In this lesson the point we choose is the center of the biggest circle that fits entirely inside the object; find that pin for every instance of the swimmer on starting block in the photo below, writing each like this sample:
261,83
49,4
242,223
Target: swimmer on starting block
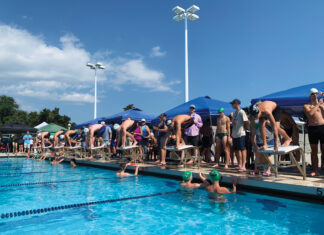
178,124
57,137
45,137
125,130
269,110
96,131
73,137
122,173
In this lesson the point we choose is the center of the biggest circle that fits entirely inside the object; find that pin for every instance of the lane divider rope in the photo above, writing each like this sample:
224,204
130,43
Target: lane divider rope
30,173
56,208
50,182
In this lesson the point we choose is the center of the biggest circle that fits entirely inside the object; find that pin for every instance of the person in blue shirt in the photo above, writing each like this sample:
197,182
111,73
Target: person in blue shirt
27,141
107,136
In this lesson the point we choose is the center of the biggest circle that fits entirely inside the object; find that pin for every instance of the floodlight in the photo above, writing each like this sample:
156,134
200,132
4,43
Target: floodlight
179,17
92,66
178,10
193,9
193,17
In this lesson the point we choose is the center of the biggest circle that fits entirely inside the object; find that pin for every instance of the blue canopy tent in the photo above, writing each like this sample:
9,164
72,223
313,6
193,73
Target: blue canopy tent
206,107
134,114
292,100
87,123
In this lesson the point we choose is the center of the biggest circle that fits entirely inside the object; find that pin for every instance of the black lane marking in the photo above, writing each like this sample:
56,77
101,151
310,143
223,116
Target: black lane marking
51,182
30,173
48,209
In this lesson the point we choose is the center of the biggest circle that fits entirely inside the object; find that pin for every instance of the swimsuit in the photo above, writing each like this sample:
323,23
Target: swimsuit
315,134
277,113
77,135
100,132
186,124
133,127
221,135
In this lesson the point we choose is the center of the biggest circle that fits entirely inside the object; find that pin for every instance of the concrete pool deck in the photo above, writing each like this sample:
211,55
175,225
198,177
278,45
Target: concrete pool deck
288,184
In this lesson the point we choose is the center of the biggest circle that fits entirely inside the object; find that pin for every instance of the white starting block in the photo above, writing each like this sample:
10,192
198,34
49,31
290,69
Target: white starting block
58,149
131,152
288,150
75,150
100,150
187,154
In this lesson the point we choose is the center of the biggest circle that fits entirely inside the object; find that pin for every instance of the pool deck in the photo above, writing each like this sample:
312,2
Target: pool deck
288,184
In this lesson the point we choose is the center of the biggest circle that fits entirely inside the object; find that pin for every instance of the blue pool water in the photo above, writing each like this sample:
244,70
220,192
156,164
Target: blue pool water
182,212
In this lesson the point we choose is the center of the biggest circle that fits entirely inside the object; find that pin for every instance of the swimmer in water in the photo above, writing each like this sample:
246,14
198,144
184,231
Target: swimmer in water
186,180
215,188
73,163
122,173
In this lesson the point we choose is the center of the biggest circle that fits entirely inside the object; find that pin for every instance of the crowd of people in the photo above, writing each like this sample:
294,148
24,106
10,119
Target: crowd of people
240,135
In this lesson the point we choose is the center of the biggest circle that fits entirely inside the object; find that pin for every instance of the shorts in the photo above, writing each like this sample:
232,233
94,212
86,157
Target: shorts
221,135
113,143
191,140
206,142
277,113
107,143
316,134
161,141
26,146
239,143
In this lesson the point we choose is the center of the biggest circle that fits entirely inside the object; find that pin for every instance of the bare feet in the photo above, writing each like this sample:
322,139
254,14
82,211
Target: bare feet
135,143
226,167
190,162
314,174
287,142
242,169
264,147
216,165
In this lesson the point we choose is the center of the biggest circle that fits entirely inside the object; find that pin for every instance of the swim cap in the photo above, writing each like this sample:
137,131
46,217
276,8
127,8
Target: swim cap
61,137
186,175
313,90
221,110
50,158
51,137
254,109
116,126
85,130
214,175
168,122
37,157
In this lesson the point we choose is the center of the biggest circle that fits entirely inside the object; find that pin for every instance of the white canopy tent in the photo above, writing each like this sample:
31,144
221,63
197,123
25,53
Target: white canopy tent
41,125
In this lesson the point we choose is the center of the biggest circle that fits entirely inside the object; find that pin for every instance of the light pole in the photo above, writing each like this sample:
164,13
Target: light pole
95,67
182,14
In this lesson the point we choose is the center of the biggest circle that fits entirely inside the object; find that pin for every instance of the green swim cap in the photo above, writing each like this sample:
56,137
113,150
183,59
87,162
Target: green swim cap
214,175
221,110
50,158
37,157
186,175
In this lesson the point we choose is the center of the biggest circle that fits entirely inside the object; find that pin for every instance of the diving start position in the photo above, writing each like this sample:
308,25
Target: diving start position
269,110
125,130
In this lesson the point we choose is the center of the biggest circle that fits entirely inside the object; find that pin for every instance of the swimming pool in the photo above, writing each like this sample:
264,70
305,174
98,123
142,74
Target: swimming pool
141,205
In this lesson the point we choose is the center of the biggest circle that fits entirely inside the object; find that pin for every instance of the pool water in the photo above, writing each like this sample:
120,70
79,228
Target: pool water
179,212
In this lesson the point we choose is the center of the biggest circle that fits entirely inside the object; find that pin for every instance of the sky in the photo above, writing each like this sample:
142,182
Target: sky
237,49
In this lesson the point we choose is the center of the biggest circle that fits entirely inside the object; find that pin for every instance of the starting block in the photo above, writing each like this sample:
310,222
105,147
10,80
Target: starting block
75,150
288,150
100,150
131,152
58,149
174,152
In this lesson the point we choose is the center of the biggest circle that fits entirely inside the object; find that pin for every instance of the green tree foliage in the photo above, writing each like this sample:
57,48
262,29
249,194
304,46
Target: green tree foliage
128,107
10,112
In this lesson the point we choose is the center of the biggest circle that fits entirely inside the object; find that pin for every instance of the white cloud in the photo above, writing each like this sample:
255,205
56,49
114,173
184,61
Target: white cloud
156,52
30,67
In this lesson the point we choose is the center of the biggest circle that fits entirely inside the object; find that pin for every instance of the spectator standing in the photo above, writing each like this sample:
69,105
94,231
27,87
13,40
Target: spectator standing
315,120
27,141
191,134
162,130
238,133
146,133
107,136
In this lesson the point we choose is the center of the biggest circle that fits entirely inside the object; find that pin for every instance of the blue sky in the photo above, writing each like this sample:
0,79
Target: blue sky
237,49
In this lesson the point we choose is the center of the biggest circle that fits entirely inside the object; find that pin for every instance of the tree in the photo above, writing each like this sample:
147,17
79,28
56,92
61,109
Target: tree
10,112
128,107
8,108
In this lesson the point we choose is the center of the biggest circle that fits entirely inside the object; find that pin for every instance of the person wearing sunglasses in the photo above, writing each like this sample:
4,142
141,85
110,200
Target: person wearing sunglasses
314,112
